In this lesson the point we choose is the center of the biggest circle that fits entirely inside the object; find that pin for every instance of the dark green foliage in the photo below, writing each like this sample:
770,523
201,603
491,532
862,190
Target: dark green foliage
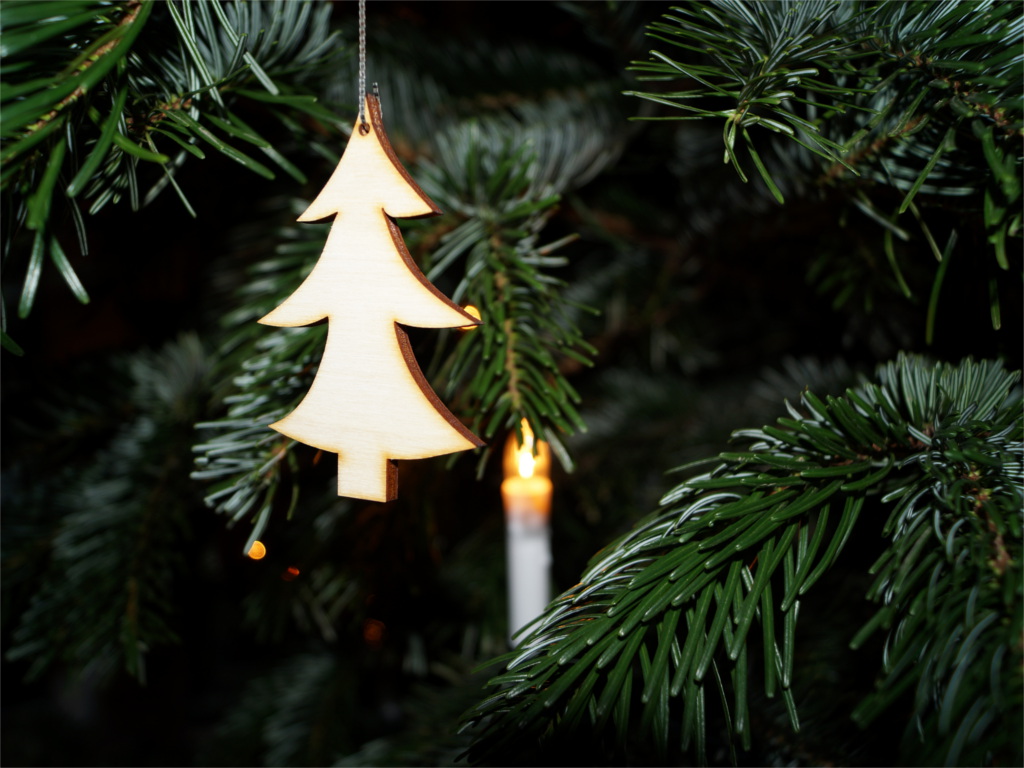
289,716
702,594
508,367
245,458
919,98
89,101
951,582
764,58
106,555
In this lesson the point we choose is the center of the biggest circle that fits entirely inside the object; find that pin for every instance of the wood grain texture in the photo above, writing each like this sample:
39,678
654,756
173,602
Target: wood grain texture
370,402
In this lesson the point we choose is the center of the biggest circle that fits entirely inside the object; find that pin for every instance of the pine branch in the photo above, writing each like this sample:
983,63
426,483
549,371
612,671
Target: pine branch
132,85
893,93
774,78
288,715
668,611
112,553
957,64
945,608
507,369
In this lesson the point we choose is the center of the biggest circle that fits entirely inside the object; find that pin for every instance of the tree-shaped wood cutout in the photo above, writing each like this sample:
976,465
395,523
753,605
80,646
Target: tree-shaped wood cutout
370,402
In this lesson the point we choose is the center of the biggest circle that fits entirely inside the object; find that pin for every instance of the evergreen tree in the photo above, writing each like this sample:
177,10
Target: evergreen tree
772,247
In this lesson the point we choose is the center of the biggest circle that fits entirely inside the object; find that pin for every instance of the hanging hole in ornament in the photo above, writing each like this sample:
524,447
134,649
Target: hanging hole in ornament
364,128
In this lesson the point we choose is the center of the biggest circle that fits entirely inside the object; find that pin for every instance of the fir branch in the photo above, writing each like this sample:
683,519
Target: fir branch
507,369
126,89
106,541
919,113
741,545
289,714
945,607
243,454
774,71
135,12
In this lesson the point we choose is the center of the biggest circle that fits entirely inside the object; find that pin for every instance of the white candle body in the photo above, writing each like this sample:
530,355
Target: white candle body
527,549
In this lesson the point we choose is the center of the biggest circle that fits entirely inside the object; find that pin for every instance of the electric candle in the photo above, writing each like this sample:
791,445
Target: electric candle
526,494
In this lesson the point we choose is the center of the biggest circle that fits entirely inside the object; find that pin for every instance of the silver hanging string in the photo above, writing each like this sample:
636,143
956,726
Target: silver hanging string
363,127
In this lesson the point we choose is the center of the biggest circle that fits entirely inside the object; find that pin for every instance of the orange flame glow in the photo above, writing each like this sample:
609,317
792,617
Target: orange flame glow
532,458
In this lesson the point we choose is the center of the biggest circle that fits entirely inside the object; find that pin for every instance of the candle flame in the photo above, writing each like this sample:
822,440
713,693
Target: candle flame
529,459
526,489
525,461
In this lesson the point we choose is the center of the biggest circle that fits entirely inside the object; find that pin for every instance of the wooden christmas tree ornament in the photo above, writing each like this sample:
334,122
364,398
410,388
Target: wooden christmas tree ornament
370,402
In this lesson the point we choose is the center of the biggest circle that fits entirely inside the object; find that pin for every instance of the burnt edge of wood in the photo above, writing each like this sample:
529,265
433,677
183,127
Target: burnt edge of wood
390,480
376,121
413,267
417,374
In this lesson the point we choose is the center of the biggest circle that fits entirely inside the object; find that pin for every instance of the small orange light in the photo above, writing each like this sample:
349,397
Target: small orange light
373,633
290,574
257,551
469,309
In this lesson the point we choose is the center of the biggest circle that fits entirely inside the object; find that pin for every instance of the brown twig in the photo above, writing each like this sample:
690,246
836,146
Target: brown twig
501,283
133,7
